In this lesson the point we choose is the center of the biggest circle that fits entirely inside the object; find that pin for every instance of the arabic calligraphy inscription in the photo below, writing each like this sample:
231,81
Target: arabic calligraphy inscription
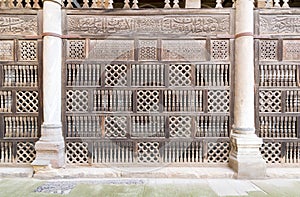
186,25
23,24
279,24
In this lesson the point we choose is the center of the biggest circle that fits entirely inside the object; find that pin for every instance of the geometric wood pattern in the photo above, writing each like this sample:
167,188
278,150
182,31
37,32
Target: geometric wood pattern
136,92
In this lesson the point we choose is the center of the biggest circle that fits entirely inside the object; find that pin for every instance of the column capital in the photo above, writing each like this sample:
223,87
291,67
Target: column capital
55,1
252,1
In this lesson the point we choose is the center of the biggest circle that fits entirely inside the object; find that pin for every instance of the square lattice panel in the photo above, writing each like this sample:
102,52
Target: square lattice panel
147,50
77,152
271,152
28,50
25,152
270,101
115,75
77,100
180,75
219,49
218,100
76,49
180,126
148,152
147,100
115,126
218,152
268,50
27,101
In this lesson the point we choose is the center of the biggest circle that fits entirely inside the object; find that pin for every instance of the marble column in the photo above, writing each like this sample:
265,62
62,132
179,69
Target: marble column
50,147
245,158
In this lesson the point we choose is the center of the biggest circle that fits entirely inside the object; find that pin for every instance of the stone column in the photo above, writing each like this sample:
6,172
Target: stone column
245,158
50,147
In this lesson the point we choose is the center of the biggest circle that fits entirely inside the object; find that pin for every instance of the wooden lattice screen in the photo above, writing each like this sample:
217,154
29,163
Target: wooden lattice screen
149,86
20,68
147,89
278,95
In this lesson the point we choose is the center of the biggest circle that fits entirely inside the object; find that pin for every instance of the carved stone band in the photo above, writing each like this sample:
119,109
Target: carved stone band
55,35
243,129
51,126
51,34
55,1
243,34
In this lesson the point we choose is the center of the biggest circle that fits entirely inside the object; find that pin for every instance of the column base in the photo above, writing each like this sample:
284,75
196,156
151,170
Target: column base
50,149
245,158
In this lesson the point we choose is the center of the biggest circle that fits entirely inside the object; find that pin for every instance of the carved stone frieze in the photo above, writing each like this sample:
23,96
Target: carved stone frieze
17,25
186,25
184,50
280,24
110,50
291,50
7,50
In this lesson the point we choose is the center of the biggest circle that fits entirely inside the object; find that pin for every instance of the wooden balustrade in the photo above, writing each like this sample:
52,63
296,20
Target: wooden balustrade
115,4
28,4
134,4
273,4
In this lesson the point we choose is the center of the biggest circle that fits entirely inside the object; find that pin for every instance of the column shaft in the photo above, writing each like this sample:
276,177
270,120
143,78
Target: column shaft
245,157
50,147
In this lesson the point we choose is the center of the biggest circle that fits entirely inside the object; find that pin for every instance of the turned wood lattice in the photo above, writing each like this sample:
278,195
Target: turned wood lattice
135,98
19,98
277,77
148,89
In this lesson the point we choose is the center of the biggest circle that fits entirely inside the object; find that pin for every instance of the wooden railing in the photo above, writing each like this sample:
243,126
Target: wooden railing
107,4
273,4
134,4
29,4
111,4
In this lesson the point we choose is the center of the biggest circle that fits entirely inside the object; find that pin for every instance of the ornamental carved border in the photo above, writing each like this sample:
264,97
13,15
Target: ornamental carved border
18,25
170,24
